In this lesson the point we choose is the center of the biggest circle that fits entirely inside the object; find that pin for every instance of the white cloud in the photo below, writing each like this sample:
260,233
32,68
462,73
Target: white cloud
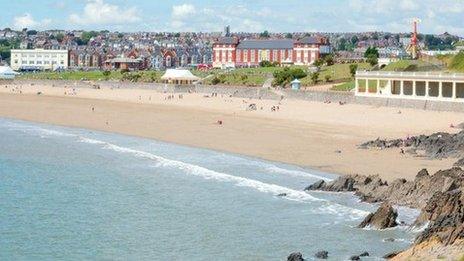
27,21
97,12
180,12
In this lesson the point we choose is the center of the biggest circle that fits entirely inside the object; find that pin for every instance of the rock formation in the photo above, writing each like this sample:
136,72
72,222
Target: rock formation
438,145
384,217
322,255
297,256
439,196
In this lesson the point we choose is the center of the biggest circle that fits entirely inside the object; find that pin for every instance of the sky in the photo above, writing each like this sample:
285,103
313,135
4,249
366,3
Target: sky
437,16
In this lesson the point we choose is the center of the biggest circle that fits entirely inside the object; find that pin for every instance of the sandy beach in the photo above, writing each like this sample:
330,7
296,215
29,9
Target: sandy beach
313,134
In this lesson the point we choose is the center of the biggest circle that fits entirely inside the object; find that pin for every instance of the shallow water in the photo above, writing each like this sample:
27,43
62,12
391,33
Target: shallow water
76,194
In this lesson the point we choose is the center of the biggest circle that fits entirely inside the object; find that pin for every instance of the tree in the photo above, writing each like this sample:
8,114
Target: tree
329,60
372,59
266,64
371,51
315,77
59,37
353,69
264,34
285,76
328,78
318,63
289,36
106,74
354,40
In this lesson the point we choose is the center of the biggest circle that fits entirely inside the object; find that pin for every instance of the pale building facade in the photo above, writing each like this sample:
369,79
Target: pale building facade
39,59
411,85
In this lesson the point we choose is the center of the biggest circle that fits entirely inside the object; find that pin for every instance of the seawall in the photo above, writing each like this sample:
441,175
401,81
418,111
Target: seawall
256,93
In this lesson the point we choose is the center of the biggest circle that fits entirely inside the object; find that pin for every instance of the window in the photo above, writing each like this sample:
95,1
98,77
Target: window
253,55
16,61
39,62
46,62
290,55
61,62
23,62
229,58
31,62
239,56
282,55
245,56
217,56
274,56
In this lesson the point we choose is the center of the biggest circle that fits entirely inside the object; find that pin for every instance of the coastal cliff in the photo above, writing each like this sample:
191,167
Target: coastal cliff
439,196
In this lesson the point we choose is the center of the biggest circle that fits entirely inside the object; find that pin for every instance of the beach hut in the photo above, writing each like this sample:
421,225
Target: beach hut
179,76
7,73
296,84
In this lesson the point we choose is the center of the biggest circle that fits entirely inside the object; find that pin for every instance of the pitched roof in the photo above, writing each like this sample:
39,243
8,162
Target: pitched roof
266,44
310,40
179,74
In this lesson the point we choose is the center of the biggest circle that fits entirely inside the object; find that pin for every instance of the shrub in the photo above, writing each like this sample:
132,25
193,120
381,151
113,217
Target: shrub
328,78
353,69
315,77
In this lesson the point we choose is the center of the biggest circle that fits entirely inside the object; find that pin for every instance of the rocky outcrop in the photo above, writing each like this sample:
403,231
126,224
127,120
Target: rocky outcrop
297,256
445,214
321,255
384,217
413,193
439,196
438,145
342,184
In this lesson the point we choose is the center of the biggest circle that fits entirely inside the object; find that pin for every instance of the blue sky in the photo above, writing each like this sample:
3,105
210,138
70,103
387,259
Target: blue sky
437,16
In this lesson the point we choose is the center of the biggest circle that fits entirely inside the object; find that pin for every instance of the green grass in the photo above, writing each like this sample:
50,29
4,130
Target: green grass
257,76
411,66
337,72
457,62
242,76
347,86
144,76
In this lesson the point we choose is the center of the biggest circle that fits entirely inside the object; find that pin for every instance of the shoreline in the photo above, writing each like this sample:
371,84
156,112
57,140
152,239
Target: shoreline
319,136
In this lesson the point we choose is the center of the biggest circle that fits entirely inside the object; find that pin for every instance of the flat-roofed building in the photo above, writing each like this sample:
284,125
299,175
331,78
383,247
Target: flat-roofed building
39,59
433,86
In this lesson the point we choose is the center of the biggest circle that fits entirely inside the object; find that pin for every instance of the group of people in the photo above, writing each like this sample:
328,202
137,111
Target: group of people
172,97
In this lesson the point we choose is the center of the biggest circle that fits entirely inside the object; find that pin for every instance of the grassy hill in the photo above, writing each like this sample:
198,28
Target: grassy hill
412,66
457,62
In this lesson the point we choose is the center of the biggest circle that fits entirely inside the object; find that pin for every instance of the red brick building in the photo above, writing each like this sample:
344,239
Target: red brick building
230,52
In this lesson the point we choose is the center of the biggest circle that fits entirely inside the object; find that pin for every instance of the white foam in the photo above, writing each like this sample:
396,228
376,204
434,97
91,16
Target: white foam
195,170
211,174
42,132
295,173
91,141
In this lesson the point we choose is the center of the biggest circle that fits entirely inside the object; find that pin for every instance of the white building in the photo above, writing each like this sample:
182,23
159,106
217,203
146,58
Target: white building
411,85
39,59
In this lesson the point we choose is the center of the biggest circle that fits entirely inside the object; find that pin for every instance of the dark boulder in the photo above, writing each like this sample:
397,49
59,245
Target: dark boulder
384,217
318,185
297,256
355,258
322,254
364,254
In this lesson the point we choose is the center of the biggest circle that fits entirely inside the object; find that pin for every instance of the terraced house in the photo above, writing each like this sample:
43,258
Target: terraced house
229,52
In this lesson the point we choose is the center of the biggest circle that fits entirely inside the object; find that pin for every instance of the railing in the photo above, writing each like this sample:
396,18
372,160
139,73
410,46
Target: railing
439,75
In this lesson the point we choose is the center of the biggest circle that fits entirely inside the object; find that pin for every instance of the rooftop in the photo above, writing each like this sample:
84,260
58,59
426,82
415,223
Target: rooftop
266,44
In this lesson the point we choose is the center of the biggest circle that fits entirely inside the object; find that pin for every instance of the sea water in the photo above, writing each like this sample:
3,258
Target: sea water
76,194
